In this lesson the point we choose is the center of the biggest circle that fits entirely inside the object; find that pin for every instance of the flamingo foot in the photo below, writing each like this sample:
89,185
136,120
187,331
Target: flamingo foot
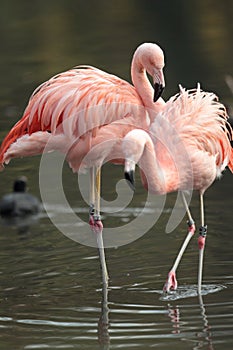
171,282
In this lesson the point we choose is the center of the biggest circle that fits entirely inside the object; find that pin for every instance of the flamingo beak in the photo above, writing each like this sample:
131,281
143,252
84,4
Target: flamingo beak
129,176
159,83
158,89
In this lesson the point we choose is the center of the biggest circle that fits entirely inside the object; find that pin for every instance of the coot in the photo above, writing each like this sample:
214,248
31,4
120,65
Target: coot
19,203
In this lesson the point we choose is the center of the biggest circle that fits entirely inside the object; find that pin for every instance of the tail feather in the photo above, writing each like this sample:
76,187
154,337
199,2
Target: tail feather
34,144
17,131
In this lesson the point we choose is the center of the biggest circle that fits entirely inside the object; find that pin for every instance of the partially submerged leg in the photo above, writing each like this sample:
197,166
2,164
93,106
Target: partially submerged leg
103,324
98,229
201,244
171,282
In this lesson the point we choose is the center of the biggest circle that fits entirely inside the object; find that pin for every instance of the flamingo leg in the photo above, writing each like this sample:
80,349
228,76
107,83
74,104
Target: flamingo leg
97,191
201,244
103,324
98,229
92,197
171,282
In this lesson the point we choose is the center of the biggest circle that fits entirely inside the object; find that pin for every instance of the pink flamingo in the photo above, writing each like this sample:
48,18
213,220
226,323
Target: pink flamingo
187,147
67,112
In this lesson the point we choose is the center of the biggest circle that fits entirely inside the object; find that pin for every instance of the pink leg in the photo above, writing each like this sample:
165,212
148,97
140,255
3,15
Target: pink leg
96,223
91,215
96,226
201,246
98,230
202,237
171,282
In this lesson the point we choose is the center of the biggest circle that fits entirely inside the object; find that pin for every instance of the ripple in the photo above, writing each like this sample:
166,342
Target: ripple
56,323
191,291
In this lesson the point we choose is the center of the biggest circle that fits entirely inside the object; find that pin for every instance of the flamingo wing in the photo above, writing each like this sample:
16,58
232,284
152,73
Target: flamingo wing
69,106
198,121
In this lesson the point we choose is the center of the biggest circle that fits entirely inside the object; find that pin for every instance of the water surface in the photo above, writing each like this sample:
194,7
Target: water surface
50,286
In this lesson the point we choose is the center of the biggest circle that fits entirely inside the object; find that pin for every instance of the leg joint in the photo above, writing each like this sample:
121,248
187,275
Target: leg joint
97,217
190,222
92,209
203,231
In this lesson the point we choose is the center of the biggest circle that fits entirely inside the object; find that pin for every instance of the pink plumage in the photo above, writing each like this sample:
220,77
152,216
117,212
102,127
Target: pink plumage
186,148
74,104
67,112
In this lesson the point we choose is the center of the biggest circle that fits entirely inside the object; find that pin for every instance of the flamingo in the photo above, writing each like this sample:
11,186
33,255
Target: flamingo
70,109
187,147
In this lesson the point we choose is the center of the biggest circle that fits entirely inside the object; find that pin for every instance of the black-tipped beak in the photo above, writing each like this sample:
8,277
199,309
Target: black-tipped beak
158,89
129,176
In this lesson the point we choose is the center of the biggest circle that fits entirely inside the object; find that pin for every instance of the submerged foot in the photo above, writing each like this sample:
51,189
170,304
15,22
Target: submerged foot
171,282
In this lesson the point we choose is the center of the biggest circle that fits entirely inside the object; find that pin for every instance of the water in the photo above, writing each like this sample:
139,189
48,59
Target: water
50,286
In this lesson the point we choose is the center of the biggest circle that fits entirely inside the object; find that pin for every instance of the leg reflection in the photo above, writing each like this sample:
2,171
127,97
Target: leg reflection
174,314
201,339
103,324
206,333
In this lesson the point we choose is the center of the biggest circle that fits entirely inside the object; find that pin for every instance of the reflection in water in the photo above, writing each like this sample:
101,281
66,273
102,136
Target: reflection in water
139,325
201,338
189,291
22,224
206,328
174,314
103,324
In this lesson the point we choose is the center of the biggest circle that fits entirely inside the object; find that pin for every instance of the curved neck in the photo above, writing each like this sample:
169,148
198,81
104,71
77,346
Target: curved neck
158,176
143,85
141,82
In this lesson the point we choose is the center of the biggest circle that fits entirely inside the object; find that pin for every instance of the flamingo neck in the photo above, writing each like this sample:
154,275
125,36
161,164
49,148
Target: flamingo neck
151,174
141,82
143,86
158,177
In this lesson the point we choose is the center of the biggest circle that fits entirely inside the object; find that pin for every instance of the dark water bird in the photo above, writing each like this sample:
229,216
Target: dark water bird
19,203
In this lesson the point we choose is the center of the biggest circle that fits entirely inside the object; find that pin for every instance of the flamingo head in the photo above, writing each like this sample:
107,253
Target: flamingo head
153,61
129,174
